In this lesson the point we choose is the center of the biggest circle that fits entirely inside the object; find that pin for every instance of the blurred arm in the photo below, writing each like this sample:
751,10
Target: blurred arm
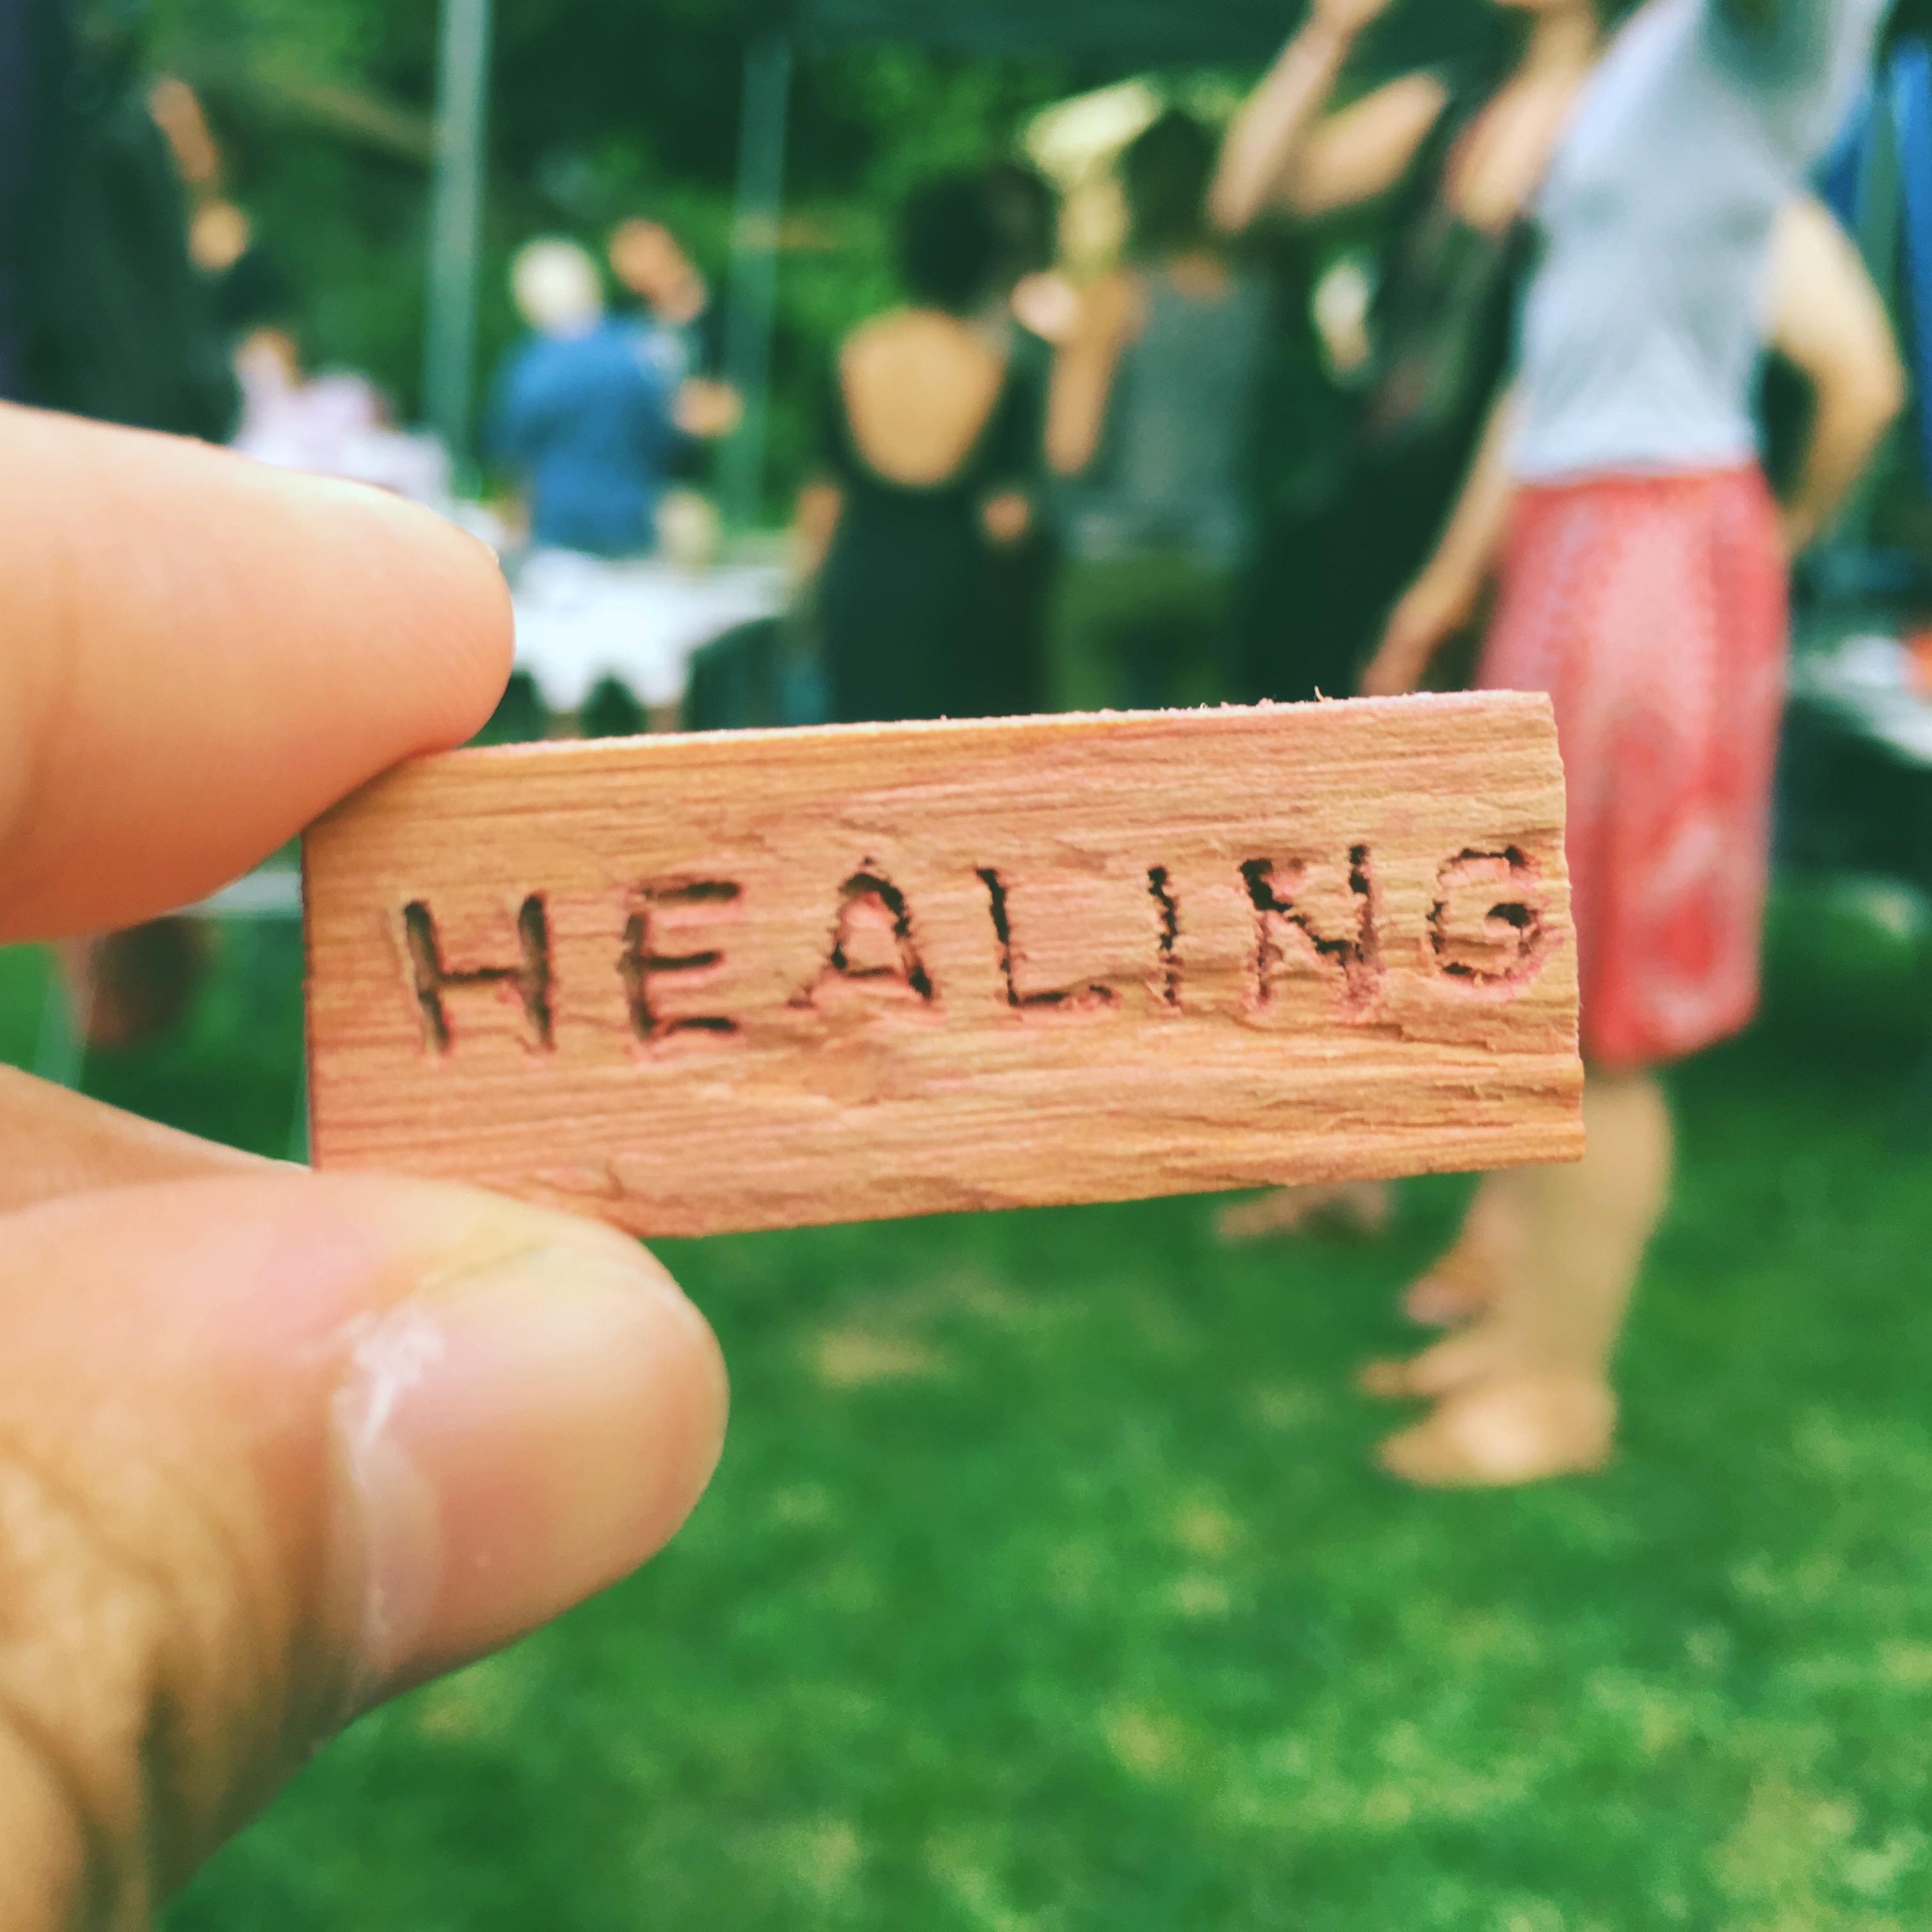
1829,321
815,524
706,408
1282,150
1443,598
1083,375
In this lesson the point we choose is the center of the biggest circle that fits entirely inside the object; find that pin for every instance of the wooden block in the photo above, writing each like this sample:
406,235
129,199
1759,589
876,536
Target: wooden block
757,979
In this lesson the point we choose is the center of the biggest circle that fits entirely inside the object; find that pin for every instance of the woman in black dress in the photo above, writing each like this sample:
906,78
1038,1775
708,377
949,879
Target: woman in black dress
1457,155
931,449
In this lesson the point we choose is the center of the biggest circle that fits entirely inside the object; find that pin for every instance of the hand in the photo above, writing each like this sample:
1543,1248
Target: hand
1435,608
1049,304
1007,516
273,1444
1797,530
813,525
707,409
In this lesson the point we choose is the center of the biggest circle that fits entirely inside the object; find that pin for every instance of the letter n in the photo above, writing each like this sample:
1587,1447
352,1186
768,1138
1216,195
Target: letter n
1308,909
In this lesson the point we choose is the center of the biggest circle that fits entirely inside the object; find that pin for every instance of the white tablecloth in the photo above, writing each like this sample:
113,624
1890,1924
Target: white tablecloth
580,619
1865,684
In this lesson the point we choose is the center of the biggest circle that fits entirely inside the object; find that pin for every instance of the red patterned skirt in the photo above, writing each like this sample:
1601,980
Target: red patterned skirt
1653,611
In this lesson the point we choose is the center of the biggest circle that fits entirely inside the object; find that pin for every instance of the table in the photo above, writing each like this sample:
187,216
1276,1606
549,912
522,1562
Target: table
1863,687
581,619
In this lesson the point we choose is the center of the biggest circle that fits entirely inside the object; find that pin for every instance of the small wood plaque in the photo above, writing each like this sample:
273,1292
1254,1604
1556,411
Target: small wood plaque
757,979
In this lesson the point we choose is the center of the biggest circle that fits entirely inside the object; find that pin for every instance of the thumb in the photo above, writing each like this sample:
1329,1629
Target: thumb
273,1446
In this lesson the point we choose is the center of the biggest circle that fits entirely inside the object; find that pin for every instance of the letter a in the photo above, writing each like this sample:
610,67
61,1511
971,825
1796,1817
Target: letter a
871,942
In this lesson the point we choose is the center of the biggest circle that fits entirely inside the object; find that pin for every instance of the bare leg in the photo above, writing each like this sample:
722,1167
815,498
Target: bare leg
1464,1283
1525,1392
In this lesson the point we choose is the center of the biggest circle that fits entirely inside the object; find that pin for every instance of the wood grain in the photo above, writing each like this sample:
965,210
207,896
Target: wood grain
762,978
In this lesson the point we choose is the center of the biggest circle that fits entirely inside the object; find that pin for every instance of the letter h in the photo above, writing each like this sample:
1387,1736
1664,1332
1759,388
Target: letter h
529,978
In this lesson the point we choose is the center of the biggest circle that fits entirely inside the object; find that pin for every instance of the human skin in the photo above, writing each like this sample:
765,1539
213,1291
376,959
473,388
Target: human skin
273,1444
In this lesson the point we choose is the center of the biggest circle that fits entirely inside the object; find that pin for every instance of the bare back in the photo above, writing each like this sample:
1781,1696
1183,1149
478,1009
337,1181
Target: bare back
918,387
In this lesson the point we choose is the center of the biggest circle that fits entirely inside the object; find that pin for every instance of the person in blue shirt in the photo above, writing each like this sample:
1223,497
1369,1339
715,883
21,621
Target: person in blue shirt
582,411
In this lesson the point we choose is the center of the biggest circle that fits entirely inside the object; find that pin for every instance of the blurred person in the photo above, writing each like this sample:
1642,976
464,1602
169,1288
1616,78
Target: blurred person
273,1445
679,334
1826,323
178,112
1028,289
1029,307
1459,153
1643,585
106,313
648,260
930,455
336,424
581,411
1149,423
1828,326
584,410
219,234
246,284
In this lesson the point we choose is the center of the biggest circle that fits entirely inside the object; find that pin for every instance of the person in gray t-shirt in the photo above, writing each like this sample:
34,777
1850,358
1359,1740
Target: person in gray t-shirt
1150,412
1642,586
1641,334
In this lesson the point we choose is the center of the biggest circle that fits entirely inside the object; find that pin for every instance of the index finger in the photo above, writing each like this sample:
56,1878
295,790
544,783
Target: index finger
200,654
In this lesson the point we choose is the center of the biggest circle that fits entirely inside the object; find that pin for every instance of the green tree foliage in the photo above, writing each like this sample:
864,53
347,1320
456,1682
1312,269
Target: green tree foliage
599,109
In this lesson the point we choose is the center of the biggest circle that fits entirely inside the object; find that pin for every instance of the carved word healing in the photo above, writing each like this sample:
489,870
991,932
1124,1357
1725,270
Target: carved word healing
1485,931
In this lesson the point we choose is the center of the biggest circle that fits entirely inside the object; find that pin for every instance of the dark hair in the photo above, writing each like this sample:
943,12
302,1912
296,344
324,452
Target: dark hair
1023,211
1911,19
1165,172
947,244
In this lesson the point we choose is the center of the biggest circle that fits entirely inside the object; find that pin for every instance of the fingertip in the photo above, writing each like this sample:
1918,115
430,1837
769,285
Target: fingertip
449,614
205,652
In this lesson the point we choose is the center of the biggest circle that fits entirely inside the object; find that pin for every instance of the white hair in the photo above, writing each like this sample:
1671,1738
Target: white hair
556,286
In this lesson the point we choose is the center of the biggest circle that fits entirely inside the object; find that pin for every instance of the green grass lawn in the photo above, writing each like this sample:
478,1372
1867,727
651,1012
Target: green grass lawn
1045,1583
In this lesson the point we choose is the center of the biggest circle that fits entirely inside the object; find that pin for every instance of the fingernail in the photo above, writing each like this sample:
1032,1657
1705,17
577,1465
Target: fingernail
514,1438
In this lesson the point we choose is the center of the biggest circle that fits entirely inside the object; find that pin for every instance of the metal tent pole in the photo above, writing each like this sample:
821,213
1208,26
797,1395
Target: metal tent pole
456,222
747,337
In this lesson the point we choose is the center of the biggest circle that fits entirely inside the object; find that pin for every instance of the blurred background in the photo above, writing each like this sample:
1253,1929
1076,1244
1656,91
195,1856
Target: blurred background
325,114
1046,1584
